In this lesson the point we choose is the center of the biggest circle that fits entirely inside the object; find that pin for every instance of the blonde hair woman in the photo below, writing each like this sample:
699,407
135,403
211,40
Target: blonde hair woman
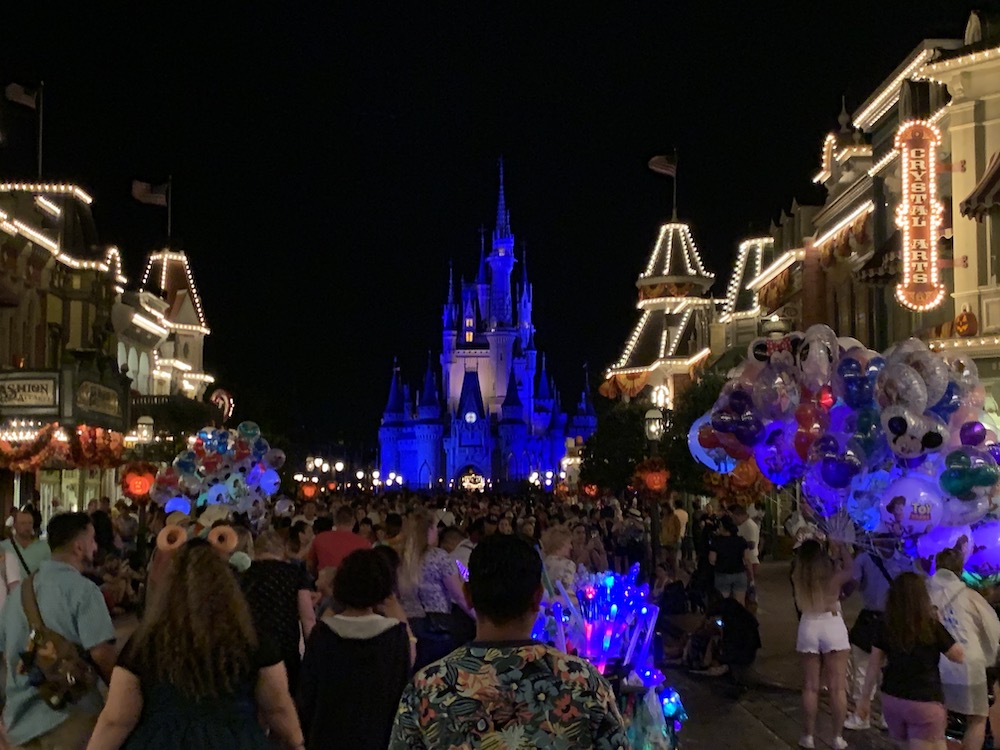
557,547
429,584
817,578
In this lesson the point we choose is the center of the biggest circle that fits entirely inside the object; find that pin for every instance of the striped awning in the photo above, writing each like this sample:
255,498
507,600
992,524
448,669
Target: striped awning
985,195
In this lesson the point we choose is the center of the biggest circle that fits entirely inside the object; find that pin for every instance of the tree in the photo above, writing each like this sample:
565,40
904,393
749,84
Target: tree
611,453
686,473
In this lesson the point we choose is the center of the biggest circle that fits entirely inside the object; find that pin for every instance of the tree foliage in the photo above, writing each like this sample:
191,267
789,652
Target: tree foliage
612,453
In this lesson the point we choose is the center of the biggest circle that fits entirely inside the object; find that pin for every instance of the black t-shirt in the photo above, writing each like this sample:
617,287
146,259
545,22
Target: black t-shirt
728,553
272,590
265,656
913,675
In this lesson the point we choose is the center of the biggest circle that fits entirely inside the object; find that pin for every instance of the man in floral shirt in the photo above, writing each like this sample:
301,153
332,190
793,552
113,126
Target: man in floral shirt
505,691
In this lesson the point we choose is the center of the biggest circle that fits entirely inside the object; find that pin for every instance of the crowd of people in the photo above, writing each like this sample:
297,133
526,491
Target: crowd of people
343,620
924,642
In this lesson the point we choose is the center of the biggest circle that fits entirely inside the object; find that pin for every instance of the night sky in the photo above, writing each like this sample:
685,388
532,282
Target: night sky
330,158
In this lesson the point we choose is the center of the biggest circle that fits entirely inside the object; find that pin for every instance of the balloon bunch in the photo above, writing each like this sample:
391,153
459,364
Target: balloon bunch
896,442
237,469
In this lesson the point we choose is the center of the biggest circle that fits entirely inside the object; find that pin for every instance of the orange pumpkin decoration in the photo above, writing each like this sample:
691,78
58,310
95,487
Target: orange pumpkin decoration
966,324
656,480
308,491
138,479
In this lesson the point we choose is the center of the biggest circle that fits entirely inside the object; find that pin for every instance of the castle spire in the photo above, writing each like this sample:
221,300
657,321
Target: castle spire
451,282
481,276
502,230
396,405
428,396
524,268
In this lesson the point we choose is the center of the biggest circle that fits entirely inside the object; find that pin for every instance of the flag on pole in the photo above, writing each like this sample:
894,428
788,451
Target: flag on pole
666,165
145,192
17,93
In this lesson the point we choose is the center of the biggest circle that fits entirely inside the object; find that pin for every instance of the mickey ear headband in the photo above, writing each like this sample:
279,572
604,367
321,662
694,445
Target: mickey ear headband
222,538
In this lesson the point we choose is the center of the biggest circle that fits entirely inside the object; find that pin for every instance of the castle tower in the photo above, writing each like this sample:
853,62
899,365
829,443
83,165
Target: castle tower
501,260
513,432
390,432
429,431
524,325
449,335
482,282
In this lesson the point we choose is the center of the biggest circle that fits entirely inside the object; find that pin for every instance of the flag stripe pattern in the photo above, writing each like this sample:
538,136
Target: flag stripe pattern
666,165
144,192
17,93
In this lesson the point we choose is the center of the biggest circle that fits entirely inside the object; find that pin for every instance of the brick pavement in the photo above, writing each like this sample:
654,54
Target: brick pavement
767,714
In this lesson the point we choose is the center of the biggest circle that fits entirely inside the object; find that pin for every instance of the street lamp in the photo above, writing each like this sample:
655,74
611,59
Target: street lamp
654,432
339,466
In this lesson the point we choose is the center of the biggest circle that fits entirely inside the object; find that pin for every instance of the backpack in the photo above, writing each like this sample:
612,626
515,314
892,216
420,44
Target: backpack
54,665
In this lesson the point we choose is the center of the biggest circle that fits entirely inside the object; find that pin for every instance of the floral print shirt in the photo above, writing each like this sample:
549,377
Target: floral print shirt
508,696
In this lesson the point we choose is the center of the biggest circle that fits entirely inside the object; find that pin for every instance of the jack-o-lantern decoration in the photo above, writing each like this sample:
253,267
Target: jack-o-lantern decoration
138,479
966,324
652,474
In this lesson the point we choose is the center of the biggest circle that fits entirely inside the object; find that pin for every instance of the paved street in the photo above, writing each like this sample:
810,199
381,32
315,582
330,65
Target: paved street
768,715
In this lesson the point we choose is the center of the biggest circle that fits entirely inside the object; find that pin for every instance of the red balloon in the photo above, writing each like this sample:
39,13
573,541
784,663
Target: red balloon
735,448
707,438
803,441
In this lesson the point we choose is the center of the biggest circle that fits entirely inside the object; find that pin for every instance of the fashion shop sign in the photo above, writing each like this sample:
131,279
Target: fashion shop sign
19,391
919,216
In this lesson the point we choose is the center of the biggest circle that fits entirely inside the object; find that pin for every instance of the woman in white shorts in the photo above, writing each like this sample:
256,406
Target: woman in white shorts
817,578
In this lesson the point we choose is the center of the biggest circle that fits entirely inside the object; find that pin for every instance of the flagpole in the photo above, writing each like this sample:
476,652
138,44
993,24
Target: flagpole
170,208
41,109
675,186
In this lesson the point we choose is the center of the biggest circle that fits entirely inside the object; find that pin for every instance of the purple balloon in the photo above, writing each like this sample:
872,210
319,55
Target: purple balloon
740,401
994,450
972,433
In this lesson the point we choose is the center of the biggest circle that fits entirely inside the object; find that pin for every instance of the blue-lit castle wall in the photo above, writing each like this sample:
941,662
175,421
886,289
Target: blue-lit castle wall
489,408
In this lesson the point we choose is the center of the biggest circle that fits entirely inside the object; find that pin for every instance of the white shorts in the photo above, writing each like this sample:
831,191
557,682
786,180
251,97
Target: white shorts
822,633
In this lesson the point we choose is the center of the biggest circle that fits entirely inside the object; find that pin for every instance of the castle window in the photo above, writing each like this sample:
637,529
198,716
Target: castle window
468,337
469,322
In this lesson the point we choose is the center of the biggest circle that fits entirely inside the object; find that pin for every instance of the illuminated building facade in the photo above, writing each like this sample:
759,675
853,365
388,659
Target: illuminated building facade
671,334
495,416
82,357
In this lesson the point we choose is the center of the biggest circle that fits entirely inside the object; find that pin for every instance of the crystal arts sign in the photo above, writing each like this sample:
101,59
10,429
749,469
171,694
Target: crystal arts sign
919,216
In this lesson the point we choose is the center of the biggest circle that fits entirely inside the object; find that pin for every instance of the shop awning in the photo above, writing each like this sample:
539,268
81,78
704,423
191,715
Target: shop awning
984,195
881,267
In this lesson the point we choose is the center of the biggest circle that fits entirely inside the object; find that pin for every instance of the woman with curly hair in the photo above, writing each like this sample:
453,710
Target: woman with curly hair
194,675
357,662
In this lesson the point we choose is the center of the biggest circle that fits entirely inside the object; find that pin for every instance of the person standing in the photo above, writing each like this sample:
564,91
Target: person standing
750,531
974,625
909,642
670,538
817,579
195,676
29,550
279,595
356,663
508,686
429,583
873,574
330,547
72,606
729,559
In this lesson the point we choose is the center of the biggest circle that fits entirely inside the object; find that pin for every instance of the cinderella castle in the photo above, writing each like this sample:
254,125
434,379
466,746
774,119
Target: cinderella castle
496,418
